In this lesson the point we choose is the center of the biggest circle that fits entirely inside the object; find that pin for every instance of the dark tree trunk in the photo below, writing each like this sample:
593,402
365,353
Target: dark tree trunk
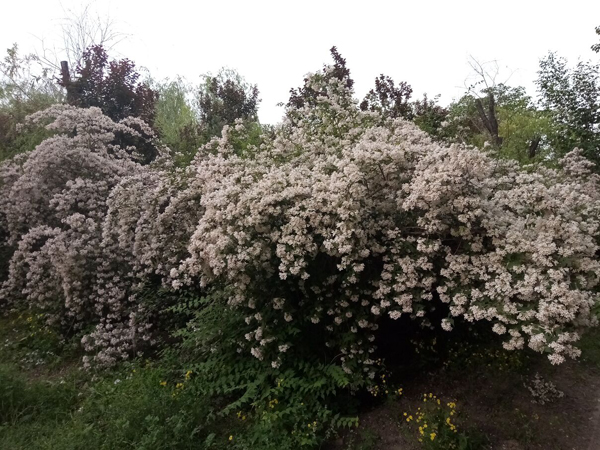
489,120
66,81
533,146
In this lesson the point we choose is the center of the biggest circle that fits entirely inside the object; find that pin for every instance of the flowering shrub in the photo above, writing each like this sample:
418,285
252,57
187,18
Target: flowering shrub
54,203
320,230
344,218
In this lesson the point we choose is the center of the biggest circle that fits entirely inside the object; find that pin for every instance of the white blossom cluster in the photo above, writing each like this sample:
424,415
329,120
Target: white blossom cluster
337,220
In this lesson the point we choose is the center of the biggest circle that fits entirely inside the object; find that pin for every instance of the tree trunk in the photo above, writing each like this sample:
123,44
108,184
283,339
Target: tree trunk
489,120
533,146
66,81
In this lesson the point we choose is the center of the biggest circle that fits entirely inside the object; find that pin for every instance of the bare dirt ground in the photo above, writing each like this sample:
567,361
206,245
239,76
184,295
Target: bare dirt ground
494,404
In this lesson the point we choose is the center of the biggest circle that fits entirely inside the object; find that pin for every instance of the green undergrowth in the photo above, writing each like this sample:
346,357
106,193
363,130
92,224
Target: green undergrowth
201,392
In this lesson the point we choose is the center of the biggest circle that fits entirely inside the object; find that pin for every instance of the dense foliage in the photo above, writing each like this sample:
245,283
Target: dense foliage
113,86
222,99
572,97
505,119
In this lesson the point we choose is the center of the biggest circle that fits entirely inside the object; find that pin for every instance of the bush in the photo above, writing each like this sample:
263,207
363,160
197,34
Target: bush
53,205
345,217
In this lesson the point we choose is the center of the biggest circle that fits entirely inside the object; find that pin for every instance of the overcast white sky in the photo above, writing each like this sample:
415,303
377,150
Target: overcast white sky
274,43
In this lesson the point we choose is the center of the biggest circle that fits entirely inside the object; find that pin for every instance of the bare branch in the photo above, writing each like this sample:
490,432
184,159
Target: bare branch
79,30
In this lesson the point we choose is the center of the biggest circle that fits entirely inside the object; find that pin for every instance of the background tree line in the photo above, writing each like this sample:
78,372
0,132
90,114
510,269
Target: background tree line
492,114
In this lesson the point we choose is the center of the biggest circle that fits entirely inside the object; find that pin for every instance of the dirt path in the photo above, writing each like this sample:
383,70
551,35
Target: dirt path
595,425
496,404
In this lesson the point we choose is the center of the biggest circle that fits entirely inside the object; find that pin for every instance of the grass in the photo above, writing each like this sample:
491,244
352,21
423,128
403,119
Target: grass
120,410
47,402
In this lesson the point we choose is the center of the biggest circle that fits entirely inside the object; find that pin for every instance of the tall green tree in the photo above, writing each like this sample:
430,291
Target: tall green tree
504,118
177,120
188,117
571,97
429,115
222,99
500,117
523,126
26,86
